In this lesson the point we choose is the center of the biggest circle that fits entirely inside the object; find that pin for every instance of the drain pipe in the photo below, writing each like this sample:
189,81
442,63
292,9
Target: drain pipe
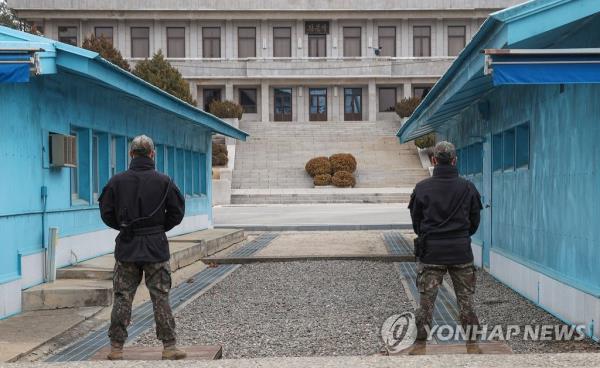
44,193
51,255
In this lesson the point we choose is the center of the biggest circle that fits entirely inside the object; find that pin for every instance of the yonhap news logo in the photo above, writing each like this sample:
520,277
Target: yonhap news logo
399,332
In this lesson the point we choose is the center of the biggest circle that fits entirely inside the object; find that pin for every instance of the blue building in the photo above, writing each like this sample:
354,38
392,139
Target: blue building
66,117
522,105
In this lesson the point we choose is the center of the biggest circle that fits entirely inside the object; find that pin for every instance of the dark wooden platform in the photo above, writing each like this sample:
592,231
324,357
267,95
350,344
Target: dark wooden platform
341,257
195,352
495,347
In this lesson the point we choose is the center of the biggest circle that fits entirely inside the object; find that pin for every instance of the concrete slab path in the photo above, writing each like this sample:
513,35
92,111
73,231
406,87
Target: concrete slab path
323,243
328,216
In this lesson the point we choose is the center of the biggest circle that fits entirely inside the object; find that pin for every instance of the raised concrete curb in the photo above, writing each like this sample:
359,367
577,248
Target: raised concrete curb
439,361
340,257
88,283
324,227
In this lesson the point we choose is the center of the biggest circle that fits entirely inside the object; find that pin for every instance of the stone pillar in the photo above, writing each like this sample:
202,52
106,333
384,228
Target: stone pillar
229,53
337,93
229,90
407,90
264,101
372,92
440,49
263,40
335,39
300,40
194,91
193,44
121,39
371,42
157,41
301,106
405,35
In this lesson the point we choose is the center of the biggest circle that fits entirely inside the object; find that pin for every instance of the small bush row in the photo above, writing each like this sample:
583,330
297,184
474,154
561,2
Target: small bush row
336,169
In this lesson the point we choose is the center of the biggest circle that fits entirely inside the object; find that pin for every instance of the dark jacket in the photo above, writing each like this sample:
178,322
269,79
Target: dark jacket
432,202
136,193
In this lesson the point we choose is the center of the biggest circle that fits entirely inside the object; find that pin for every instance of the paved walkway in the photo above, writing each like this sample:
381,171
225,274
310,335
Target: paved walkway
439,361
328,216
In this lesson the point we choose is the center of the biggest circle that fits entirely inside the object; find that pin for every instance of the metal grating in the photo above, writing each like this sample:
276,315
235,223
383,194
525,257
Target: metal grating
445,311
142,316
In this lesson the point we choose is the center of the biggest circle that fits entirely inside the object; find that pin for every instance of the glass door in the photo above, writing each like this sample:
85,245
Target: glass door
318,104
352,104
282,104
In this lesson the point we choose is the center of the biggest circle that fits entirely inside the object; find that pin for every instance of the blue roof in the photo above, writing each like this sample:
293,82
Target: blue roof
534,24
91,65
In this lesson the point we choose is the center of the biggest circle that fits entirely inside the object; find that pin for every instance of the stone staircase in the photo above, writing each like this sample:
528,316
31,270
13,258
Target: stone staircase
269,166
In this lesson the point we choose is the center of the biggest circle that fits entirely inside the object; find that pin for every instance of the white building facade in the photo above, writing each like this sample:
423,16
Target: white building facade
303,60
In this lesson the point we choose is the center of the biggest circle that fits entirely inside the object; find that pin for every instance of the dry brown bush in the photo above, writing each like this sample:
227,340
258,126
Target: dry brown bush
318,166
343,162
343,179
322,179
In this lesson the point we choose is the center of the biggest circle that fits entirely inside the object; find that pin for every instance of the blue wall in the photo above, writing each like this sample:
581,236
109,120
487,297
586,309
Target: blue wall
545,215
58,103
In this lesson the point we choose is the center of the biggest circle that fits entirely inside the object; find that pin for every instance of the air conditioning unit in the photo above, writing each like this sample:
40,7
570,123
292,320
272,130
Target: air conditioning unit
63,150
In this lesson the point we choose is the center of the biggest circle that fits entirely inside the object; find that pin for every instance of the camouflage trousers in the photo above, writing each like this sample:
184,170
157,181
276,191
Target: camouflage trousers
429,279
127,276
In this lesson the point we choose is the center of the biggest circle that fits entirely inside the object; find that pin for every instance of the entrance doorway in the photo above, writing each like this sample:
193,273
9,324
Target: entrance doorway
282,104
318,104
352,104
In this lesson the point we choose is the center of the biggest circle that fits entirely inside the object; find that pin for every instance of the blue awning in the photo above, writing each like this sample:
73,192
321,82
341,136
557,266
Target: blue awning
547,68
14,68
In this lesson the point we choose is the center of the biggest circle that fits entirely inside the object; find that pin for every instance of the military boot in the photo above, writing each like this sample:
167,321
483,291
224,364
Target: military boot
116,351
170,351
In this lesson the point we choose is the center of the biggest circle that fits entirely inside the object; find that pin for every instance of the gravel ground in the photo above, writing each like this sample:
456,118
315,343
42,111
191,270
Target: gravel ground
497,304
294,309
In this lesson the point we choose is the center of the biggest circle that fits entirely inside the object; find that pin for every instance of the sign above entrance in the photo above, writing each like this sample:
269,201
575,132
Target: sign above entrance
316,28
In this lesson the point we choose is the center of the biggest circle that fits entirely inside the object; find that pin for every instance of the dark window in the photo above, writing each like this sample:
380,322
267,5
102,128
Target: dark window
176,42
456,39
317,45
421,41
95,166
352,39
248,100
509,149
210,95
140,42
387,99
497,152
246,42
211,42
104,32
67,35
421,92
387,41
317,108
283,104
352,104
522,146
282,42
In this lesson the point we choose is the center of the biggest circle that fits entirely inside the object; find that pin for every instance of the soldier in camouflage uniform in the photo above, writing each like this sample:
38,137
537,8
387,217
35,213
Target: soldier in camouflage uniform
142,204
445,213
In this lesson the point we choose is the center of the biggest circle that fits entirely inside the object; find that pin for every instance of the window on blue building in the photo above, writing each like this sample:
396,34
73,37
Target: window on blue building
459,161
509,149
113,155
95,167
180,171
522,146
497,152
160,158
478,152
75,174
196,172
189,187
170,162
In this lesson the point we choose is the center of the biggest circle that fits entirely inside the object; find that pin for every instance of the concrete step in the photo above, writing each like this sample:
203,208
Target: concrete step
89,283
321,195
306,199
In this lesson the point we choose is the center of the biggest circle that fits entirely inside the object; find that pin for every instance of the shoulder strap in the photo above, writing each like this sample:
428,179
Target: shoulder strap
162,202
454,211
